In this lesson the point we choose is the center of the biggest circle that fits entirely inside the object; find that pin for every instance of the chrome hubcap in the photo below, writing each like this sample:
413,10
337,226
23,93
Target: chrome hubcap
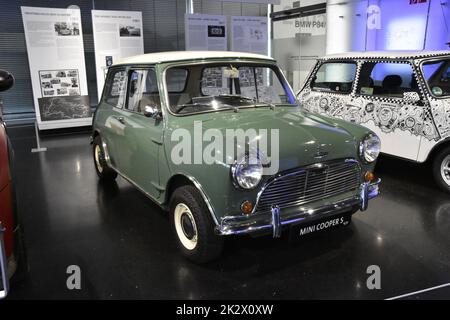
445,169
97,156
185,226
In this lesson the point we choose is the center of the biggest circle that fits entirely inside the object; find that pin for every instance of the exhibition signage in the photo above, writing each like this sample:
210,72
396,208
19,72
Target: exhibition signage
315,25
58,72
205,32
117,35
249,34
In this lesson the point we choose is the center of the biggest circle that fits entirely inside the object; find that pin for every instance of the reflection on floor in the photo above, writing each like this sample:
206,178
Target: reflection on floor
125,248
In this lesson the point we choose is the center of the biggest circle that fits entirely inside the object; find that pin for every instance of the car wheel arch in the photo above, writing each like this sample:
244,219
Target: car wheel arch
437,148
95,134
181,179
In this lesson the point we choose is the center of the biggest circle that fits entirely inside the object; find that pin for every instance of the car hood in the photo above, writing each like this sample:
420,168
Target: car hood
303,138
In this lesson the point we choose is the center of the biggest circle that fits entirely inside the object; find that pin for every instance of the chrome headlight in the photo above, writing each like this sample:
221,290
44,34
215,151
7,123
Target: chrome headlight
369,148
247,173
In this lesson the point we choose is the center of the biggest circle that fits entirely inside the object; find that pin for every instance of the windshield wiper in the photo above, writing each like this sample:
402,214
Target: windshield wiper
236,96
182,106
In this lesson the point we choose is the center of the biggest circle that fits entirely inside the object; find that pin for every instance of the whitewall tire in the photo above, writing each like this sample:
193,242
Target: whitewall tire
185,226
193,226
104,172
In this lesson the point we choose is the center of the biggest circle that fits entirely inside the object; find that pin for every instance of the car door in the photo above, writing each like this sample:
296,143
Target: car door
329,89
142,142
110,116
393,106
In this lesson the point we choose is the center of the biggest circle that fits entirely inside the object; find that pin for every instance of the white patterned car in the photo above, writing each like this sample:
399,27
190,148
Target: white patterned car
404,97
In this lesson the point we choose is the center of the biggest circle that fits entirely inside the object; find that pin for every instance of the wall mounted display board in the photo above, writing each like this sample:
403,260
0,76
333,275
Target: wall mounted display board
249,34
117,35
206,32
58,73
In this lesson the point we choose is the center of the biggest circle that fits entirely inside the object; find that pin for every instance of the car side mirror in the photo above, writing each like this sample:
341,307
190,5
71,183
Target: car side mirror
152,112
6,80
411,97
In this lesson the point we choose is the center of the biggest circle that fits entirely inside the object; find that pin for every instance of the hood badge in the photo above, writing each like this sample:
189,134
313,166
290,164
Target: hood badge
320,153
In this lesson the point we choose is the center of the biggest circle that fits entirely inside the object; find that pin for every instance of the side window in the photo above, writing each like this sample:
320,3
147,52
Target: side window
437,75
115,88
336,77
142,90
387,79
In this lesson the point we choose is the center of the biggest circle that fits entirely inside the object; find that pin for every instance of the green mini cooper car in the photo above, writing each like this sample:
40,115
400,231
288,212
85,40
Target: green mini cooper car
219,140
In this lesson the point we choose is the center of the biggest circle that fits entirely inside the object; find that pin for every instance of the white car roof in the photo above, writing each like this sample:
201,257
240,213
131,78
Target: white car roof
387,55
171,56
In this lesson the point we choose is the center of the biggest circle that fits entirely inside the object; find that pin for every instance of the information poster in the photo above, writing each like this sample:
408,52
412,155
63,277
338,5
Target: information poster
58,73
249,34
205,32
117,35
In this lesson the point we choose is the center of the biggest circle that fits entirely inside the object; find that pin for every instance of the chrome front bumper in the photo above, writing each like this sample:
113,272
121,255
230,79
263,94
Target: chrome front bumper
275,220
3,267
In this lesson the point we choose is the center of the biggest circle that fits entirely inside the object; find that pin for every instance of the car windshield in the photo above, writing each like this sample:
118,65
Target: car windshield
437,74
213,87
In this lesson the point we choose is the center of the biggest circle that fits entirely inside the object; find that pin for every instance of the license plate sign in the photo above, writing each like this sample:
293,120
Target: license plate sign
321,225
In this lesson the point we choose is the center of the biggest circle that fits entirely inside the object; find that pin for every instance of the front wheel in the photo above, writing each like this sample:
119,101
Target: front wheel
441,169
193,226
104,172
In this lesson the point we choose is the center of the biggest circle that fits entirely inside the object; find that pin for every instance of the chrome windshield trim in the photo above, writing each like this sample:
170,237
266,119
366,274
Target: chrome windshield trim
3,266
261,62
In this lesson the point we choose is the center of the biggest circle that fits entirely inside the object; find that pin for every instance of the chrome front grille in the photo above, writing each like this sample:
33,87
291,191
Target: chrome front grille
310,184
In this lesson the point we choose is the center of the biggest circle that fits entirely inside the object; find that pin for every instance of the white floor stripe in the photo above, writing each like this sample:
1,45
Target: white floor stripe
420,291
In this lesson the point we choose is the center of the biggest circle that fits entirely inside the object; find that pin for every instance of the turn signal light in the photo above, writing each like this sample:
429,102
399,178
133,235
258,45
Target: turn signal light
369,176
247,207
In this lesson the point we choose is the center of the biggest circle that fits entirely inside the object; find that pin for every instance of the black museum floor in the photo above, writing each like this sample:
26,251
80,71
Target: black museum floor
126,250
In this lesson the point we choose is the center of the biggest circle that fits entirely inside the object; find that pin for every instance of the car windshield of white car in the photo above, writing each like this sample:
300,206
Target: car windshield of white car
437,75
213,87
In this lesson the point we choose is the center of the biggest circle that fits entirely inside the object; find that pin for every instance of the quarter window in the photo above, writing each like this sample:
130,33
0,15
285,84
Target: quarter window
143,90
335,77
115,88
387,79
